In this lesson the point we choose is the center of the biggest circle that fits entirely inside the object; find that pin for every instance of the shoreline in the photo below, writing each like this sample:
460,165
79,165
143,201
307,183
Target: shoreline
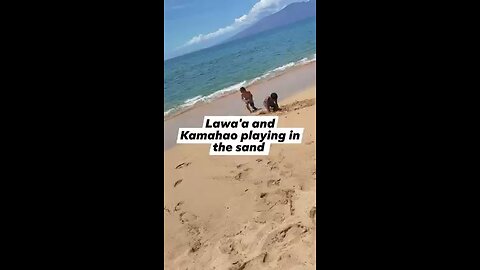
286,85
269,75
254,211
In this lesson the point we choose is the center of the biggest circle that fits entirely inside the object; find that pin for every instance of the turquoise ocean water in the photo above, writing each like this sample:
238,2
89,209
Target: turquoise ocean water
208,74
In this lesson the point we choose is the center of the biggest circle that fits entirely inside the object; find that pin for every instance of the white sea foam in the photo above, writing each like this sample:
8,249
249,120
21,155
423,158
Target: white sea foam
280,70
224,91
189,103
168,112
284,67
192,101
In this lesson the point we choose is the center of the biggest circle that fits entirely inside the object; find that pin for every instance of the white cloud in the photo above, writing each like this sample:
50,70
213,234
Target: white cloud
261,9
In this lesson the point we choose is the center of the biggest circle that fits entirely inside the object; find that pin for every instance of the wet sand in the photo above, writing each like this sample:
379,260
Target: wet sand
290,83
245,212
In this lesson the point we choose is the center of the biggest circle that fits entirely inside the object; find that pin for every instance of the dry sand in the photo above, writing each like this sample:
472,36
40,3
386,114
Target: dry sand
287,84
244,212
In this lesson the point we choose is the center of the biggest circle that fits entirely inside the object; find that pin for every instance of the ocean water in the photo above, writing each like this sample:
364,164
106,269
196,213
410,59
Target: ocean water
208,74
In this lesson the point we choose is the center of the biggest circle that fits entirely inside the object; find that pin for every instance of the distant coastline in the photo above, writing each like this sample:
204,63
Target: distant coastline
206,75
231,40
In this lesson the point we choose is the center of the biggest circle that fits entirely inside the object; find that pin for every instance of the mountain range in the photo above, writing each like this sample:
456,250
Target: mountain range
292,13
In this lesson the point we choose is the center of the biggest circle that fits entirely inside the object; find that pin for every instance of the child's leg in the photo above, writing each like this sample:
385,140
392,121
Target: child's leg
248,108
253,106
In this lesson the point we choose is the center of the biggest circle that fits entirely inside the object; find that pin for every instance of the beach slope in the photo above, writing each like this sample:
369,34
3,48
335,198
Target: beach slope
244,212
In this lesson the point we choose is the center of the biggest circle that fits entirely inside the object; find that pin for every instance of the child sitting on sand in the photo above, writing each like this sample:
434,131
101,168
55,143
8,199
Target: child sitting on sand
271,104
247,97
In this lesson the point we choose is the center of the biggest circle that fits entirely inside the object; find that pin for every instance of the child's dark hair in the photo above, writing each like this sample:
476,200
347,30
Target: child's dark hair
274,96
242,89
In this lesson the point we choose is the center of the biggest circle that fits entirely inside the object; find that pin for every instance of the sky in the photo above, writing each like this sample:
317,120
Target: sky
191,25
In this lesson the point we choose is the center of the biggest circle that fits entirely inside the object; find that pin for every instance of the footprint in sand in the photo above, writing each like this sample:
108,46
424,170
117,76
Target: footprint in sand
178,206
241,175
272,165
277,198
240,165
273,182
238,176
227,246
177,182
289,233
250,264
186,217
195,242
195,246
183,164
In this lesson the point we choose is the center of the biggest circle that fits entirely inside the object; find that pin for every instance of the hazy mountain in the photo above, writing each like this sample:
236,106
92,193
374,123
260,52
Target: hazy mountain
290,14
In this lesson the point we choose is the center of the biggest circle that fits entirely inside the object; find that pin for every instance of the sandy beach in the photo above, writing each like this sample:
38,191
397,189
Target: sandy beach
287,84
244,212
